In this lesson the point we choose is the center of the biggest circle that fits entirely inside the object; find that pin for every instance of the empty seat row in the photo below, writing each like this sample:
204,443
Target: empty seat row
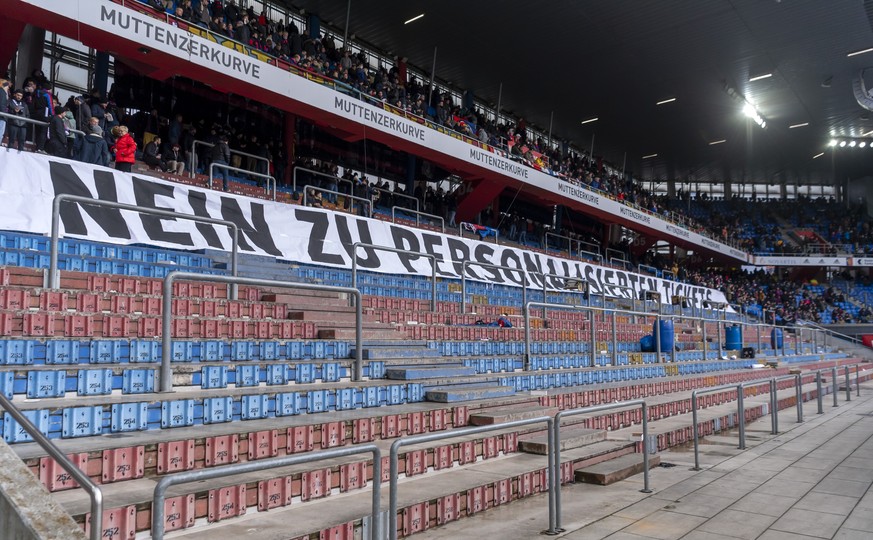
71,351
86,421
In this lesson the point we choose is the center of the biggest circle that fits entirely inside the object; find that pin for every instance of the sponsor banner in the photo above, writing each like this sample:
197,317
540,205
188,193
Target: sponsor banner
805,260
861,261
148,32
29,183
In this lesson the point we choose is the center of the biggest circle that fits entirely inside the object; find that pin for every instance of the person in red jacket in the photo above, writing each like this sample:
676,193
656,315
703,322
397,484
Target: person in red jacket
125,149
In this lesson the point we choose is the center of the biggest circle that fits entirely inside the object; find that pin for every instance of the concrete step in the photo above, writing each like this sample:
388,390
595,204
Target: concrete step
429,372
386,353
329,316
615,470
511,414
349,333
571,437
448,394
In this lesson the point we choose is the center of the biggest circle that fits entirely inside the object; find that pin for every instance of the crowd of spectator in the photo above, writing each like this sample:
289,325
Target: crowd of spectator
775,295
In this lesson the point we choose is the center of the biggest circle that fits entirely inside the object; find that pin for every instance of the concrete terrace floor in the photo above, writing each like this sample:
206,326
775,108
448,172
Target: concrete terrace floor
813,480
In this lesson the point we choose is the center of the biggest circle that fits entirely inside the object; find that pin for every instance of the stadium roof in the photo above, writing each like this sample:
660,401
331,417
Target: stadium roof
615,60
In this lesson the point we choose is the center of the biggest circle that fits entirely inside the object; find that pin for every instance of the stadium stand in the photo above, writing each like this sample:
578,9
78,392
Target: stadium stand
210,394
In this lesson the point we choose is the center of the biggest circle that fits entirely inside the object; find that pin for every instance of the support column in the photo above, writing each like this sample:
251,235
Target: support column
410,174
31,47
289,142
478,198
314,26
101,73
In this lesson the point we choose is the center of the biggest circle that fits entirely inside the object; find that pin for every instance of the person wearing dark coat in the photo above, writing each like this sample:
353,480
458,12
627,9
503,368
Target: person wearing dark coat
17,128
56,144
92,148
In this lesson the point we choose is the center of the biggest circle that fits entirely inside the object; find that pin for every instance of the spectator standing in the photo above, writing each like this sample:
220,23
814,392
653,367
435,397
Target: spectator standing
125,149
4,106
42,110
92,148
220,156
17,128
56,138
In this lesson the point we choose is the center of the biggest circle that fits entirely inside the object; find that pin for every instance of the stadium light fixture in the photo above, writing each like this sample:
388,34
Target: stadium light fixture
862,144
862,51
750,111
665,101
793,126
852,144
414,18
590,120
759,77
713,143
842,144
818,155
650,156
833,142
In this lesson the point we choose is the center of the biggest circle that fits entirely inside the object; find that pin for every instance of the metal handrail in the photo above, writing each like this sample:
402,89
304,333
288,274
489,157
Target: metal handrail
798,390
166,383
741,419
414,254
597,256
94,491
464,266
54,278
232,151
461,232
368,202
213,165
556,235
159,512
658,317
417,213
438,436
556,443
37,122
332,177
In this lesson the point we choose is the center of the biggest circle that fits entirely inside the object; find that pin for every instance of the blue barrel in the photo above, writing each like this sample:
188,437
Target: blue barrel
733,338
667,334
776,338
647,343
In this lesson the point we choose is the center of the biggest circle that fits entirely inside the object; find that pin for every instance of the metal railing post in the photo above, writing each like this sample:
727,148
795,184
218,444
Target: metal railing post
159,512
166,370
705,343
836,387
592,316
399,251
741,415
555,443
858,379
614,338
848,385
819,391
93,490
774,408
758,332
436,436
53,281
658,336
798,392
